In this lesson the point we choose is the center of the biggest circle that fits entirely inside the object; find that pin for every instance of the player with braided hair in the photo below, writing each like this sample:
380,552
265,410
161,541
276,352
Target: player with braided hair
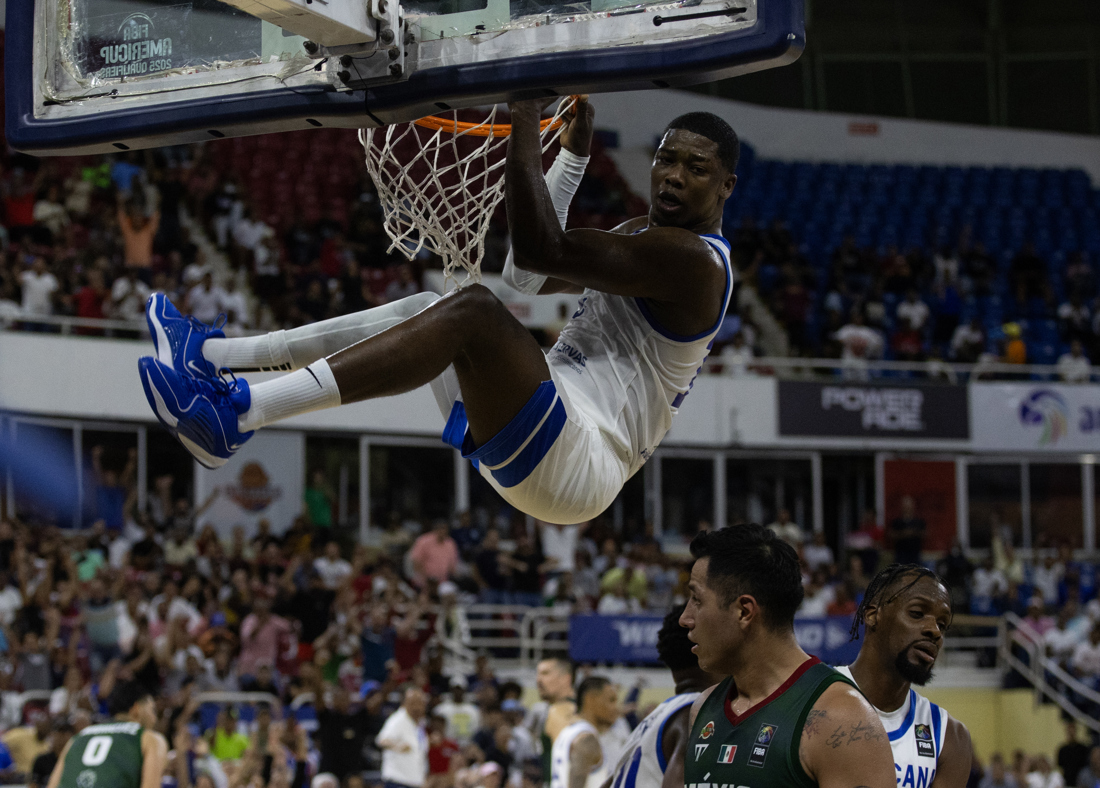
654,753
905,613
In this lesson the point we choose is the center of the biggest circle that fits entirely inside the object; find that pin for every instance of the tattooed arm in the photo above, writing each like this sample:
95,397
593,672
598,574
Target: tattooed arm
843,743
584,757
953,765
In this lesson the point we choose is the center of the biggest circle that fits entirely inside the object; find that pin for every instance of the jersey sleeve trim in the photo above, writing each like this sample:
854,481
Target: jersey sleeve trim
938,729
907,723
661,731
721,245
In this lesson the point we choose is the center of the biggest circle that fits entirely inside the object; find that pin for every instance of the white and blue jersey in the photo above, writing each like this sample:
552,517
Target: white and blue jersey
916,733
643,761
617,378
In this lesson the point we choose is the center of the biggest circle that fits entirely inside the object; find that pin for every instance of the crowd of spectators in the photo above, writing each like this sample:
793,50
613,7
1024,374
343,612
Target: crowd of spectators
91,238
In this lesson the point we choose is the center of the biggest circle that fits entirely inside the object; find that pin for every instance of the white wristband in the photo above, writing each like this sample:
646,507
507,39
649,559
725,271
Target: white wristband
562,181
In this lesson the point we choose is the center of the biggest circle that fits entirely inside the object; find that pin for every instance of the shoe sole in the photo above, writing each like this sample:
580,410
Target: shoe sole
171,422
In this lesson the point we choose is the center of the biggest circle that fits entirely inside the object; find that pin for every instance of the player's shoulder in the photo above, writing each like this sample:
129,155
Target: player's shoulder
153,742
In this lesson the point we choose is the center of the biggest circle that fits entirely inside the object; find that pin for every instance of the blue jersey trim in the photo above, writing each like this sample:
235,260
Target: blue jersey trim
544,415
713,240
907,723
937,723
454,434
527,460
632,772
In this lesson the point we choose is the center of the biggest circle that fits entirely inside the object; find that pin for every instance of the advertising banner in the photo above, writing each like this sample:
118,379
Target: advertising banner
872,410
1035,417
263,481
595,638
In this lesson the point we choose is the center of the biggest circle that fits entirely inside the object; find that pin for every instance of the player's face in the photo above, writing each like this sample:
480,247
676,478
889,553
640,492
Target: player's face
607,705
710,627
688,183
551,681
915,624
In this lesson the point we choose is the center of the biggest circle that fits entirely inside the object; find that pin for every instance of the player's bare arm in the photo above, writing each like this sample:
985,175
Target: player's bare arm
576,137
670,265
584,756
154,758
843,743
953,765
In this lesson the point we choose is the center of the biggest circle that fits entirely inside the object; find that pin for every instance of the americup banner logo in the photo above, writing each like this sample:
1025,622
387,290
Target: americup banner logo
1052,417
1047,411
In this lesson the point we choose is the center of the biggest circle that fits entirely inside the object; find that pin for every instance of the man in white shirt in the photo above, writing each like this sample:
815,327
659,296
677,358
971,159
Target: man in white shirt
912,312
818,554
333,569
1086,658
559,542
39,286
463,718
11,600
128,297
787,530
859,341
968,341
1061,639
234,304
1074,367
204,300
404,743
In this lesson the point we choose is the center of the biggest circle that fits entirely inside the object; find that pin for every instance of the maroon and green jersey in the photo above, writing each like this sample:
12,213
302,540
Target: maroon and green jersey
757,749
104,756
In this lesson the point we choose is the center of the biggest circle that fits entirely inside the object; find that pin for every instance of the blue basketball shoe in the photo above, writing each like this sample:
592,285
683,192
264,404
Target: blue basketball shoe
178,339
201,413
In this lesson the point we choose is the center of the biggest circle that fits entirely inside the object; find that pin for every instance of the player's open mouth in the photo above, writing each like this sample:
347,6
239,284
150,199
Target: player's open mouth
668,202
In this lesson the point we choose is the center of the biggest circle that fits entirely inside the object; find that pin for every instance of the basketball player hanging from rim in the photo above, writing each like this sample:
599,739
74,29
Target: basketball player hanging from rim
557,434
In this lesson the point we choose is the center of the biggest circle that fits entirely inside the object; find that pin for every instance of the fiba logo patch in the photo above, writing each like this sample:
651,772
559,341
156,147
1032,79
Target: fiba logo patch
923,734
760,747
1047,410
86,779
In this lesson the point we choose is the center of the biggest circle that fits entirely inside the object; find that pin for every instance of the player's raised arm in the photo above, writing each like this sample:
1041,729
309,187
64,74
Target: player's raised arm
154,754
669,262
843,743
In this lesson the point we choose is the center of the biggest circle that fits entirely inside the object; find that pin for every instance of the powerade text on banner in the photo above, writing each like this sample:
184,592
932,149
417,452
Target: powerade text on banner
1036,417
611,639
872,410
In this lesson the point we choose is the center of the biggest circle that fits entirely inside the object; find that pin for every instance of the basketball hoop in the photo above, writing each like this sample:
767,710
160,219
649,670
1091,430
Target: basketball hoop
439,180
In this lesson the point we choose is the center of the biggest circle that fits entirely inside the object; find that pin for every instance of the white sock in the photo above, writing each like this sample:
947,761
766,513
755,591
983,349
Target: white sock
249,354
298,347
303,391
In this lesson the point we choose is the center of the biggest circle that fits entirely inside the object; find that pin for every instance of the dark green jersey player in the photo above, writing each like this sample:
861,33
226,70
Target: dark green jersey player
781,718
123,753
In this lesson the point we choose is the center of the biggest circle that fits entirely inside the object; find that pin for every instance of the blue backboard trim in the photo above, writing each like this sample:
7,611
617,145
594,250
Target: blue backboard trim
776,39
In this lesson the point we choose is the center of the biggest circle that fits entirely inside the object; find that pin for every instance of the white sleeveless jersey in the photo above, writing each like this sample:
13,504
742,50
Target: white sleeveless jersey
643,761
559,757
916,733
627,371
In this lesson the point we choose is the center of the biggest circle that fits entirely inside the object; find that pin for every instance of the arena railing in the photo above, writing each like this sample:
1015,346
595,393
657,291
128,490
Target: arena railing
763,366
519,636
1022,650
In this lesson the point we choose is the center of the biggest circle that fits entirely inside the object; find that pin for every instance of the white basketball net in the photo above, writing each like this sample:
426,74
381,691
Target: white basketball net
439,187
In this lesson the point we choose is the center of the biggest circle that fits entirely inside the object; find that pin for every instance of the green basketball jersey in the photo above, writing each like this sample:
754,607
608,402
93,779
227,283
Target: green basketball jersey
104,756
758,749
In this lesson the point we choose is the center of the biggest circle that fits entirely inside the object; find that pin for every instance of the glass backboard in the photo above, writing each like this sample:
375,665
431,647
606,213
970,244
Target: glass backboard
88,76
